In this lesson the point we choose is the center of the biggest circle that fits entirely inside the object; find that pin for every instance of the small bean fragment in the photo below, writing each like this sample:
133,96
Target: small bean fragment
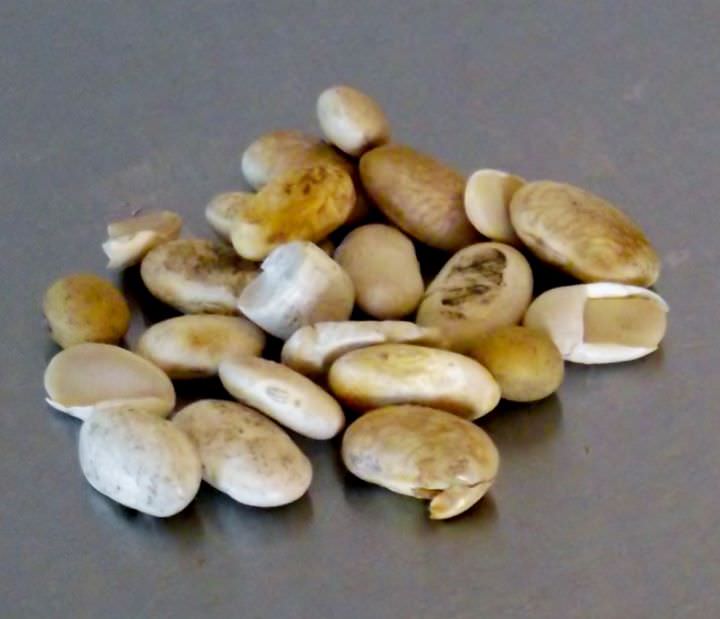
130,239
299,285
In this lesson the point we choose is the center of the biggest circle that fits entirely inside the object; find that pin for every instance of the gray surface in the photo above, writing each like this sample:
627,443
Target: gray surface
608,504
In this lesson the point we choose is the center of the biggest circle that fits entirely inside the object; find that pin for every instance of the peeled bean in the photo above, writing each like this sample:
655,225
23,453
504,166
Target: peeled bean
299,285
87,377
600,322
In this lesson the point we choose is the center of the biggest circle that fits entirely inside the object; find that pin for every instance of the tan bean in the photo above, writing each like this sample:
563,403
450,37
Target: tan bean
583,234
423,453
193,346
301,205
420,195
480,288
85,308
525,362
406,374
197,276
385,271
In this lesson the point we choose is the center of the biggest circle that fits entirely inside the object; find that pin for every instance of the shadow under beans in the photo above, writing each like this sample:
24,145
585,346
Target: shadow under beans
234,520
546,277
191,390
515,425
373,502
273,348
185,528
65,423
431,260
51,348
648,367
481,515
141,301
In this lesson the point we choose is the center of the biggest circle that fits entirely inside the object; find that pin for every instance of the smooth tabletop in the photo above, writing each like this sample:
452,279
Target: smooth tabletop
608,501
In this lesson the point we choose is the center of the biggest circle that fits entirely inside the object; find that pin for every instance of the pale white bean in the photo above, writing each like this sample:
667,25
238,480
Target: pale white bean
299,285
244,454
139,461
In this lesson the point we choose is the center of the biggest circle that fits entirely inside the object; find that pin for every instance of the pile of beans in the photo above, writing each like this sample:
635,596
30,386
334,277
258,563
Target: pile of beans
422,360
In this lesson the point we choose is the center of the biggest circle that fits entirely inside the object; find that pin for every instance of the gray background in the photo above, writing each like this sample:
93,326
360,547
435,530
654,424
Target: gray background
608,503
